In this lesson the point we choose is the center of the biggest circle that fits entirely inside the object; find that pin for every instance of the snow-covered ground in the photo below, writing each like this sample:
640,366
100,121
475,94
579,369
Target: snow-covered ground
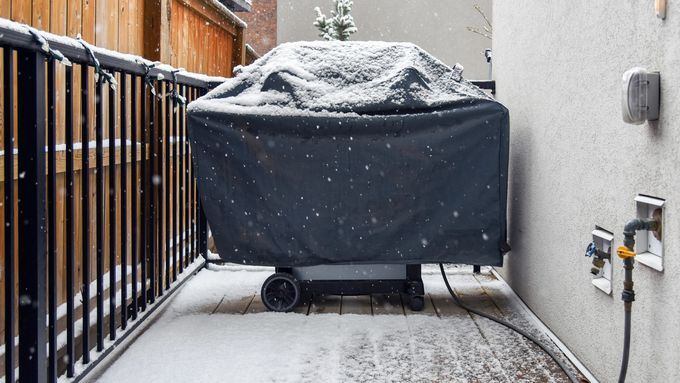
190,342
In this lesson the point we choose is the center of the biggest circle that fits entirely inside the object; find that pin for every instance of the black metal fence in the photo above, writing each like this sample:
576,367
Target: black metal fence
59,231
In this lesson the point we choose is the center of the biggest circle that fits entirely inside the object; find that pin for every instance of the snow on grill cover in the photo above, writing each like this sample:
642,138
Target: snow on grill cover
351,152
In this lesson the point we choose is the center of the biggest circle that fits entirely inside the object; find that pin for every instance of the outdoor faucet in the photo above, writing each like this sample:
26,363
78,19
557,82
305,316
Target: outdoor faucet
599,258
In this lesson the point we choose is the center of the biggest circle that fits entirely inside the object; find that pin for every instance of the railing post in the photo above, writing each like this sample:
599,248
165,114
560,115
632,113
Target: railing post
203,232
10,223
70,229
99,203
32,233
85,204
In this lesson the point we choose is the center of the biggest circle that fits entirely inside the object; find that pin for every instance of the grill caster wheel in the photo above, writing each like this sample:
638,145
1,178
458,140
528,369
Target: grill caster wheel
280,292
416,302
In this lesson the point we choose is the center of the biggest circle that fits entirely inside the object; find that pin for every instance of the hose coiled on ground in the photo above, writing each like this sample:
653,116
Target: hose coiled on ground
518,330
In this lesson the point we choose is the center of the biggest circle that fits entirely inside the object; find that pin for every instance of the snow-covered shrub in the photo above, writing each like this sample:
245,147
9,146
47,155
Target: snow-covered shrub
323,25
340,26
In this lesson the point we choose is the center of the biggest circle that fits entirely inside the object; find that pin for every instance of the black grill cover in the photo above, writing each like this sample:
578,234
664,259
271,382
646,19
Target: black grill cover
351,152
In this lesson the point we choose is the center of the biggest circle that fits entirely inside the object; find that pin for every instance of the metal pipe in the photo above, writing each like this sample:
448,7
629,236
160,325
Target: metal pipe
634,225
628,297
628,294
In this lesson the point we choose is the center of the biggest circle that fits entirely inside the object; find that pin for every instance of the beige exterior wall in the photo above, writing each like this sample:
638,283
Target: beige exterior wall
438,26
574,164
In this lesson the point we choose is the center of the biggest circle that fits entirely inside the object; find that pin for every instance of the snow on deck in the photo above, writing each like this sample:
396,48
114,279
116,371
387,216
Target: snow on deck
215,329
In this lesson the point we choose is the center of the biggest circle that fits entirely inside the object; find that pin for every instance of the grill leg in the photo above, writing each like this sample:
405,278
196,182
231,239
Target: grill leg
414,287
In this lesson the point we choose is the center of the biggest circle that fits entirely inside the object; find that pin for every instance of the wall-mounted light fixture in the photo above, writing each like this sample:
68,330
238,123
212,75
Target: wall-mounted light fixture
660,8
640,96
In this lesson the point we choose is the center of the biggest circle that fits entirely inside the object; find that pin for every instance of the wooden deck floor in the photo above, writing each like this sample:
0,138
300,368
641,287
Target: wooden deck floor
381,304
365,339
477,290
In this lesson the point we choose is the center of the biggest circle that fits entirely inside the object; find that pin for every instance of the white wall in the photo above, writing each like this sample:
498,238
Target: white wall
438,26
575,164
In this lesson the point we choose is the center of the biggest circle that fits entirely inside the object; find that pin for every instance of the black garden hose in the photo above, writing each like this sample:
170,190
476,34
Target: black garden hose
525,334
626,348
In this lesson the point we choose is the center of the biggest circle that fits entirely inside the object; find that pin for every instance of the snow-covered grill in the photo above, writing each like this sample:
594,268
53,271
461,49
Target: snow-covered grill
352,153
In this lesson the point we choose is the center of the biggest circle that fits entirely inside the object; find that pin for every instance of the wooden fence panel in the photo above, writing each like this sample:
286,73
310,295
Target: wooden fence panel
202,39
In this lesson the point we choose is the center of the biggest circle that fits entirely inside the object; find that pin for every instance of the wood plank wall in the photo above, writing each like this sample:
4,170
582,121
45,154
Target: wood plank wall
202,40
197,37
191,34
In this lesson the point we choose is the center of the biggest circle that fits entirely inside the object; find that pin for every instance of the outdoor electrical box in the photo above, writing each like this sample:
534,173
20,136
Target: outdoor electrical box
640,96
602,264
649,244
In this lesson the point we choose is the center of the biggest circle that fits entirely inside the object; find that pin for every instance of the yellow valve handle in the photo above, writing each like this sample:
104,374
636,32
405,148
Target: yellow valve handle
623,252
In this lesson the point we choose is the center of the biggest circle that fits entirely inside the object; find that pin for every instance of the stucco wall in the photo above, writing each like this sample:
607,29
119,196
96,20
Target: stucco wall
575,164
438,26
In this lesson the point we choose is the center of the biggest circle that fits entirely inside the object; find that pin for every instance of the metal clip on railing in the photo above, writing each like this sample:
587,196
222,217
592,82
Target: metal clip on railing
148,79
181,100
98,70
51,54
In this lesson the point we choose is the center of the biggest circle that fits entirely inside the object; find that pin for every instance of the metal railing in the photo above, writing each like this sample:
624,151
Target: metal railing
146,217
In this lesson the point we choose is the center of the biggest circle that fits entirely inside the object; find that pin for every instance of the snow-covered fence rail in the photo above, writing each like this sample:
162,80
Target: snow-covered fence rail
99,203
